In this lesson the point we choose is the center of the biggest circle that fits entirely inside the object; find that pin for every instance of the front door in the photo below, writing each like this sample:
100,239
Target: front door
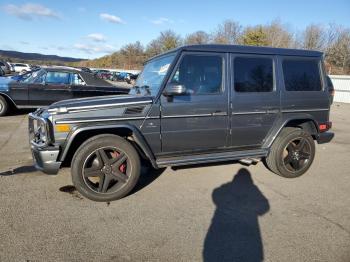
51,87
197,120
255,99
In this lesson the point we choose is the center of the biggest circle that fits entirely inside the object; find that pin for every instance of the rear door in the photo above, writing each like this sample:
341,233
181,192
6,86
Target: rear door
255,99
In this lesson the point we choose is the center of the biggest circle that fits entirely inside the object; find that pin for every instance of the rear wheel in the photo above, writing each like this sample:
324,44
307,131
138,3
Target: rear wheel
105,168
3,106
292,153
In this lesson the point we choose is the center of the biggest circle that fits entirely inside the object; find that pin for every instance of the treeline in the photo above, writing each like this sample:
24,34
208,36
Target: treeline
333,40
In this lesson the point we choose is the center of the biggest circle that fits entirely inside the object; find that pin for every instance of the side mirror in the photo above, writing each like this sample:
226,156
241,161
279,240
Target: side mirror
175,90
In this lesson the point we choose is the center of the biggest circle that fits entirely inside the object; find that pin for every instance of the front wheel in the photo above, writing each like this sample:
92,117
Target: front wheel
292,153
105,168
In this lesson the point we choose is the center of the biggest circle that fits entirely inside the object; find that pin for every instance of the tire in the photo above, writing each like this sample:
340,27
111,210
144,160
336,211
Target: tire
105,179
292,153
4,106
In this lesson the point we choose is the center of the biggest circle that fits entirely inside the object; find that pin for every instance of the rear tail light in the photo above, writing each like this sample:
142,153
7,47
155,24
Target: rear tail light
323,127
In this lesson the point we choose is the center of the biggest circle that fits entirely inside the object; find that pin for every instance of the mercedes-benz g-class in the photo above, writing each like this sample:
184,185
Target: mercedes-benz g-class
195,104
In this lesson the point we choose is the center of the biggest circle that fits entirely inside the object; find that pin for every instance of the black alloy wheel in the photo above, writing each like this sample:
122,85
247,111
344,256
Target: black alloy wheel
297,154
106,170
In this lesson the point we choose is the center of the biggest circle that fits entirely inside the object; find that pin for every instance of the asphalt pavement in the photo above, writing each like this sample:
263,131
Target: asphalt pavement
213,213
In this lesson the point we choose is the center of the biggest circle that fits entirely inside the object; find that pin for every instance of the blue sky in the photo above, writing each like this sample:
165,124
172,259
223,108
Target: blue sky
91,29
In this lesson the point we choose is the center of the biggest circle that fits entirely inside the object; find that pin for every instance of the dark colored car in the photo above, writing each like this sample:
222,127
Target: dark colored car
131,78
192,105
50,85
104,74
86,70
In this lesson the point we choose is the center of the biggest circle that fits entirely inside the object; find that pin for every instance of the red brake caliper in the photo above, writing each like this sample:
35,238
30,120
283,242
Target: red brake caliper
122,167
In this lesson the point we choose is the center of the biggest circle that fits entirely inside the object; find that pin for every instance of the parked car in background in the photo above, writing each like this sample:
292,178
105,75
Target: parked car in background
116,76
192,105
20,67
86,70
50,85
131,78
12,69
104,74
34,67
5,67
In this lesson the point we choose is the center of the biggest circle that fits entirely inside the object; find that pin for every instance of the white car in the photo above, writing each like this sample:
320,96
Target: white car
19,67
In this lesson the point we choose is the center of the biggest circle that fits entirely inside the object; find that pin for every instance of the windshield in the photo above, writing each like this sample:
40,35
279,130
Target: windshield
149,81
33,76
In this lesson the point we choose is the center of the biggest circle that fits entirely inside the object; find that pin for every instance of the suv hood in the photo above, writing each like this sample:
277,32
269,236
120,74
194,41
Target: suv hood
101,102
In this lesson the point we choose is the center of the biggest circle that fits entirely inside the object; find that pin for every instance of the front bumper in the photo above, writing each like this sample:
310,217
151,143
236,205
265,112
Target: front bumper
45,159
325,137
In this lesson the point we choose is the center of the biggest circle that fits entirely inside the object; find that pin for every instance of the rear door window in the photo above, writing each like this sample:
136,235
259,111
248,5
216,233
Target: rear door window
253,74
301,75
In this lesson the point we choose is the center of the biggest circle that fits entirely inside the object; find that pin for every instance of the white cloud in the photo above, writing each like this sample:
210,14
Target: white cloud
111,18
30,11
97,37
24,42
162,20
91,49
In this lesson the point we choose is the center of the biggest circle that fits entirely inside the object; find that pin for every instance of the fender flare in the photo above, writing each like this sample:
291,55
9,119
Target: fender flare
8,97
136,135
279,125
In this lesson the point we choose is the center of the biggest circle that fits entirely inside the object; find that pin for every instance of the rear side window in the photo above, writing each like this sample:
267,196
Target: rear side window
253,74
301,75
57,77
76,79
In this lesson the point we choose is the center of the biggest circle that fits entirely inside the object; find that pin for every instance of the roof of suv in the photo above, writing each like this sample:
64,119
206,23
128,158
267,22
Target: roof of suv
247,50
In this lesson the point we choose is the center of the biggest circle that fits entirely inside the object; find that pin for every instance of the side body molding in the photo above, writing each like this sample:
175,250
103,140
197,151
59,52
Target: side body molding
283,121
136,136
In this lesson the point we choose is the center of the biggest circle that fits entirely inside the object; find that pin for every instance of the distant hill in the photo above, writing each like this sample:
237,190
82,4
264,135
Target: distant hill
17,56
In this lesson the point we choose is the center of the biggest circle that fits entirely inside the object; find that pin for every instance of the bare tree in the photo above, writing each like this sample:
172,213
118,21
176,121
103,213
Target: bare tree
313,37
338,50
278,35
197,38
153,48
227,32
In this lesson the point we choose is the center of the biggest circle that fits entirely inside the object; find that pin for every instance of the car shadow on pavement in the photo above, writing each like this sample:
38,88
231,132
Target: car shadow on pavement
19,171
148,175
234,233
19,112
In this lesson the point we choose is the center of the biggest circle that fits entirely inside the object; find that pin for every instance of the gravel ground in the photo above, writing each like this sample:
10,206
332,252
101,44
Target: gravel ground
216,213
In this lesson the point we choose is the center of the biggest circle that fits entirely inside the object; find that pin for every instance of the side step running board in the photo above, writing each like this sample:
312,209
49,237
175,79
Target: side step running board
209,158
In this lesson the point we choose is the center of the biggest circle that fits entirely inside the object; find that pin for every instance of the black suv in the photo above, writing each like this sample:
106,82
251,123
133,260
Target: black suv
195,104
